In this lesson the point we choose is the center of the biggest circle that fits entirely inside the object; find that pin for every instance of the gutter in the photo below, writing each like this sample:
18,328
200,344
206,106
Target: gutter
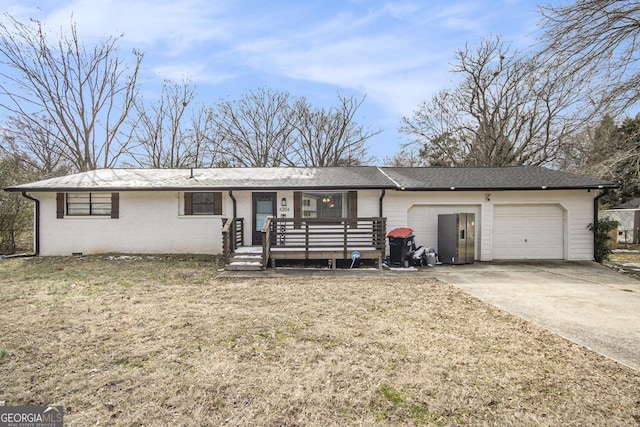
112,189
540,188
36,232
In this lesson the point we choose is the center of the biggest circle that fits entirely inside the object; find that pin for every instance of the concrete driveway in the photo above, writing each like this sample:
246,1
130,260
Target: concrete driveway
584,302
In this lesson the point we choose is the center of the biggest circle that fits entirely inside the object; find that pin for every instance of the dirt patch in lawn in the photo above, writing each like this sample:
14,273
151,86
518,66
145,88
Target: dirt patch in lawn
161,341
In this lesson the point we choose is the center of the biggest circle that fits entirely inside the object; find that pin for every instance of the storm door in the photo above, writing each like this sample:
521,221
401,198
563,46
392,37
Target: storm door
264,206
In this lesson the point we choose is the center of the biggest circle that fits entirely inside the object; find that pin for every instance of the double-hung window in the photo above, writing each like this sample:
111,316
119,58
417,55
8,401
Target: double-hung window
89,204
203,203
325,205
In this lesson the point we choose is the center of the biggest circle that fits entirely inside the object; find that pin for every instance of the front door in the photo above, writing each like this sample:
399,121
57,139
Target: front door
264,206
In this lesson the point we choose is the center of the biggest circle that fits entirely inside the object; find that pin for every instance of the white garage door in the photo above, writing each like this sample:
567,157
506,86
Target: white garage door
423,219
528,232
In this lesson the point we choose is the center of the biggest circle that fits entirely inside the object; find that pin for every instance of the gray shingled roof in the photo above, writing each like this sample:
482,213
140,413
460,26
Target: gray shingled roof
354,177
477,178
215,179
630,204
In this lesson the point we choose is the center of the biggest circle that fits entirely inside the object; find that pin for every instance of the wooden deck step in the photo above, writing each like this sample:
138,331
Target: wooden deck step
246,258
243,266
249,250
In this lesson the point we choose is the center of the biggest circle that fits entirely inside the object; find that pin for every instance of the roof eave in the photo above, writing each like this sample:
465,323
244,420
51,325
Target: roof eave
198,188
595,187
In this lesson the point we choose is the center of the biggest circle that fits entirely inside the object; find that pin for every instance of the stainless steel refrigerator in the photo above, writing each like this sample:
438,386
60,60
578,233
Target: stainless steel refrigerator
456,238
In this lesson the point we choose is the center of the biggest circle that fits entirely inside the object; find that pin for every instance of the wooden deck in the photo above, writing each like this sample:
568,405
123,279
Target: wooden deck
314,239
330,239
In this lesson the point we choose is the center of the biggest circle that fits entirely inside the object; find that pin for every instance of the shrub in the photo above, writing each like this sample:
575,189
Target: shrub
602,230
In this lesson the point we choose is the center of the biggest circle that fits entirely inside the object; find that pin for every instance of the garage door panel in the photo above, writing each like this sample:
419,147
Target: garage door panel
528,232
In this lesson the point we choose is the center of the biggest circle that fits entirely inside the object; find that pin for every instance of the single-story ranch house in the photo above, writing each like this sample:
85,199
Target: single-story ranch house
522,212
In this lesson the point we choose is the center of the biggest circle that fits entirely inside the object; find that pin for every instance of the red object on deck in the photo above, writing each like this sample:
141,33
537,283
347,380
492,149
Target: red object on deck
400,233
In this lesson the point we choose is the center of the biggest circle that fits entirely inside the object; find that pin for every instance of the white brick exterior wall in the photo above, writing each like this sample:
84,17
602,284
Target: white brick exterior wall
153,222
150,222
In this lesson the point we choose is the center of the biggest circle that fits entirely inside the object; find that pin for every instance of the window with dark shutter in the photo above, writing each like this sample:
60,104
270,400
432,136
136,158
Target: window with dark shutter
203,203
86,204
328,205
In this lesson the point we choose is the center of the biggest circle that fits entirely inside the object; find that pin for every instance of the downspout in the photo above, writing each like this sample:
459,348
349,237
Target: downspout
233,199
380,210
36,232
596,209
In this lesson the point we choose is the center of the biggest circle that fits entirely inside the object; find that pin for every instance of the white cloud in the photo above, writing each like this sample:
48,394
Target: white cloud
194,72
399,53
17,9
180,24
393,63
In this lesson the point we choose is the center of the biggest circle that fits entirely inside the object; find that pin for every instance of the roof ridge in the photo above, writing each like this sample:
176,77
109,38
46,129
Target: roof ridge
390,179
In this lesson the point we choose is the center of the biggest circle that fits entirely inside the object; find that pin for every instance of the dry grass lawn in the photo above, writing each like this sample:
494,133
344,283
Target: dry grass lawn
626,261
161,341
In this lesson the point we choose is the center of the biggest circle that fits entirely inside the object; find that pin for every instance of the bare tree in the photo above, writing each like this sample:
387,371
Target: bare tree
16,212
599,40
204,141
83,93
588,149
35,145
254,130
160,131
608,150
408,156
509,109
271,128
329,137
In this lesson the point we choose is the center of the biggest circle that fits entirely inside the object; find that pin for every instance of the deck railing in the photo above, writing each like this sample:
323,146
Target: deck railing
315,237
266,242
312,238
232,236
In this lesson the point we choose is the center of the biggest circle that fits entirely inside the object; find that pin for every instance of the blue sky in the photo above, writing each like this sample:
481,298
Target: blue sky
397,53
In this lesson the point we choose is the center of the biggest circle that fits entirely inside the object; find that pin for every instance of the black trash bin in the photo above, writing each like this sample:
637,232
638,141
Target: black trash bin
401,246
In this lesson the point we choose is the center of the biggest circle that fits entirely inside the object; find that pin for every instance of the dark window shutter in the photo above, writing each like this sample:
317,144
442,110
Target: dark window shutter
353,207
297,208
59,205
188,203
297,204
353,204
115,205
217,203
